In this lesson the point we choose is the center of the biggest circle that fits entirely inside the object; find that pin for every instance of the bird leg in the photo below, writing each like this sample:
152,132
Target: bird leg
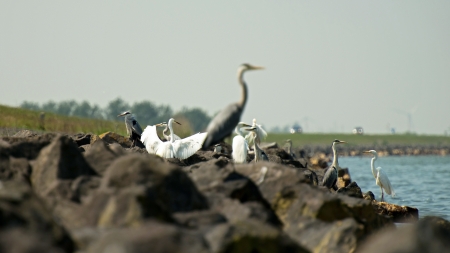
382,195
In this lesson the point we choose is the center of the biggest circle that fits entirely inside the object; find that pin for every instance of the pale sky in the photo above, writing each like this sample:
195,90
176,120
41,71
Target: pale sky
330,65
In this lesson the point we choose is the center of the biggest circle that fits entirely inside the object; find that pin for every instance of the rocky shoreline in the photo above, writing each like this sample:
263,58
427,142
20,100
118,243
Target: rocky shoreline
89,193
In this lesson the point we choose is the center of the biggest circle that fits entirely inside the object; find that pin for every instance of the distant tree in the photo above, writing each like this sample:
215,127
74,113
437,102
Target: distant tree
86,110
50,106
164,113
115,108
30,106
197,118
146,113
66,107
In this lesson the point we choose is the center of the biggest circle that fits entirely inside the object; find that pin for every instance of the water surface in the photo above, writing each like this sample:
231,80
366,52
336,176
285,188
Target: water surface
422,182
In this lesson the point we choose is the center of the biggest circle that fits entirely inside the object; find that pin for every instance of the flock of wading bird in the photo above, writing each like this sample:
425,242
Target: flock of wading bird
248,138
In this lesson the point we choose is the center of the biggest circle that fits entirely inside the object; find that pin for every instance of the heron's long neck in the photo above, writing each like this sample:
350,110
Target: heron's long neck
238,131
165,131
171,132
244,88
372,165
335,158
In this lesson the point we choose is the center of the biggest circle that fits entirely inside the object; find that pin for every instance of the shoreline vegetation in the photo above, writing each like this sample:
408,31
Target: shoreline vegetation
13,120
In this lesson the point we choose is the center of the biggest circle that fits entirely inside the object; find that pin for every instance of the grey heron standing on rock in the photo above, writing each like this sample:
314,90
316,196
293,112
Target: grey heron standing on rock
180,149
223,124
240,145
134,130
381,178
289,149
330,177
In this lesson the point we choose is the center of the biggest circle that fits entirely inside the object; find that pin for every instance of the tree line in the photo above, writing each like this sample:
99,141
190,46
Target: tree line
147,113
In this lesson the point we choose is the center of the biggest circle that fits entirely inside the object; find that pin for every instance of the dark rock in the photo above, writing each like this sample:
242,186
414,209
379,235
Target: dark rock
19,240
430,234
22,212
319,236
110,137
250,236
28,148
369,196
398,213
61,159
82,139
351,190
152,236
199,219
344,178
100,156
12,168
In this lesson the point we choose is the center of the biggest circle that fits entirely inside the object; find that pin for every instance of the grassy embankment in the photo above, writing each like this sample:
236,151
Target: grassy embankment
13,119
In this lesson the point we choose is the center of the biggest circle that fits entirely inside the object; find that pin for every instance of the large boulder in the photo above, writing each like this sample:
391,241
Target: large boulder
60,160
23,214
428,235
100,155
111,137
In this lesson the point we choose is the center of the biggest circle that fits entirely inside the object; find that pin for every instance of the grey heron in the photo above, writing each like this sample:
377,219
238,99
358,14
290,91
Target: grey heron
166,136
223,124
381,178
180,149
289,149
134,130
330,177
259,154
240,145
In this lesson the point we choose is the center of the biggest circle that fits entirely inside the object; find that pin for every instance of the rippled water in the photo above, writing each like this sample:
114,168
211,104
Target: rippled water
418,181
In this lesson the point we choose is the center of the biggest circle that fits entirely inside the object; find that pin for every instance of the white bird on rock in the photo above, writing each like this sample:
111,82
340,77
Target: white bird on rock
180,149
380,176
240,145
168,136
260,134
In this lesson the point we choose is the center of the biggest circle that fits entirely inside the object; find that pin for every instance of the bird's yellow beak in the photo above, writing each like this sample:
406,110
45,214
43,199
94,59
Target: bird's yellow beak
342,142
367,152
257,67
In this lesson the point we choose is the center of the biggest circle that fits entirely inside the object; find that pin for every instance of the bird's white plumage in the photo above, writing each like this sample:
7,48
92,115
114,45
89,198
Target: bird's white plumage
240,149
260,132
382,180
182,149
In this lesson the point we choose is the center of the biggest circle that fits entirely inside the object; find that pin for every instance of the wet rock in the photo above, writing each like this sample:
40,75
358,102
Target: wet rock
398,213
152,236
23,213
351,190
250,236
430,234
62,160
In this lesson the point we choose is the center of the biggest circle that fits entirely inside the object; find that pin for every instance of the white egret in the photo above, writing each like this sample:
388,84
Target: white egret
180,149
225,121
240,145
166,136
330,177
260,134
134,130
381,178
259,154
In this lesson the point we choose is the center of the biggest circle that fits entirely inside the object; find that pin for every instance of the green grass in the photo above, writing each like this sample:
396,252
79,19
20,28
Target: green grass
12,118
299,140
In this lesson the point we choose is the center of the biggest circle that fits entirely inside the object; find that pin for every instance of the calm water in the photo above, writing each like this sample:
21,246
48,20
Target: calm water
418,181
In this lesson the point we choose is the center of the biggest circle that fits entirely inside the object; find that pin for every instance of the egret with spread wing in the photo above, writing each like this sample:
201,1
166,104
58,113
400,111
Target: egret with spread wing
134,130
259,154
330,177
223,124
180,149
380,176
240,145
260,134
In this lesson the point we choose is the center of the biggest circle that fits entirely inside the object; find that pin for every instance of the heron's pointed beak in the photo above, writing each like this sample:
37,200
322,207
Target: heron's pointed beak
367,152
120,115
342,142
177,122
257,67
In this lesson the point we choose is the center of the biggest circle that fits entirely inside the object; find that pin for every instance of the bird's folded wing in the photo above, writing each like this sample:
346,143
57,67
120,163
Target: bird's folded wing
186,147
261,132
151,139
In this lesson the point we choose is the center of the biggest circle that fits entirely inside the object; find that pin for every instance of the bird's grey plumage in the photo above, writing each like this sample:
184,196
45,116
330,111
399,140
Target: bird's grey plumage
223,124
289,149
134,130
331,175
